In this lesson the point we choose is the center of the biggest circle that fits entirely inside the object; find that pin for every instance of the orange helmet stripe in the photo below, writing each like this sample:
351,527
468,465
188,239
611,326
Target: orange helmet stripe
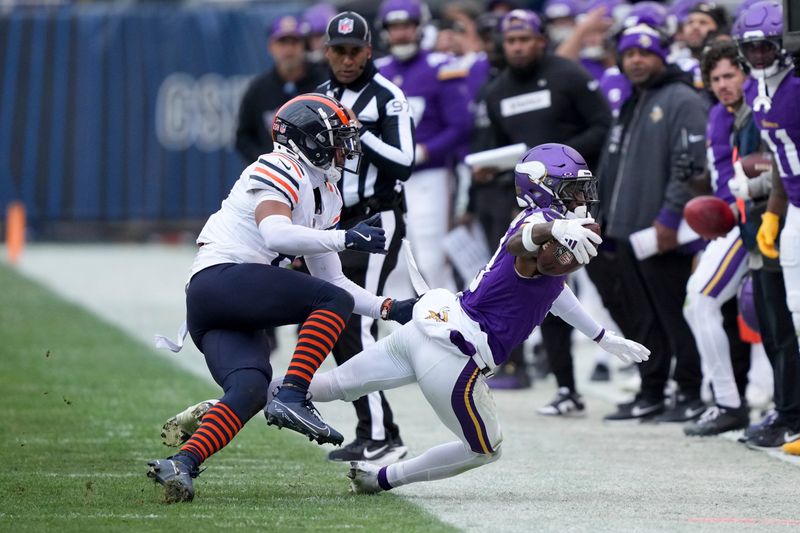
323,100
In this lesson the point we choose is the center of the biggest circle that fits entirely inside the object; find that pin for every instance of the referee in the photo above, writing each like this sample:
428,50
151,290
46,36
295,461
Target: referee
387,141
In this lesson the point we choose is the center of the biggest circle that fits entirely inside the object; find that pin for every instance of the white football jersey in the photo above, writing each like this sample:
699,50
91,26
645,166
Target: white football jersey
231,236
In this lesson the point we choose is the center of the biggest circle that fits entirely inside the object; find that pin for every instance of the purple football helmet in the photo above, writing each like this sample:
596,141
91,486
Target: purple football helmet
316,17
759,21
759,33
653,14
551,175
401,11
747,304
744,5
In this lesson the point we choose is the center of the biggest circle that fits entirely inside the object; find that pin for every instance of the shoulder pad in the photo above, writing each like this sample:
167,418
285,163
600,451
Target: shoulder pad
277,172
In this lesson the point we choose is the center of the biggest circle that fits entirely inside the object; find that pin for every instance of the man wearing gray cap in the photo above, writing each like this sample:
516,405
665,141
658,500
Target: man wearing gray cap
387,139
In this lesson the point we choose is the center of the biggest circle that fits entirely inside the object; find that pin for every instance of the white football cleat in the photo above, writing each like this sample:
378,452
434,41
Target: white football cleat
364,478
180,427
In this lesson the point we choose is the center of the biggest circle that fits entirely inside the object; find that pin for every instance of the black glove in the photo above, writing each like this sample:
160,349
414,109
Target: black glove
684,167
400,311
366,237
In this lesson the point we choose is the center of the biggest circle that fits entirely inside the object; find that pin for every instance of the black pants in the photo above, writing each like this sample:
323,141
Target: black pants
375,418
228,306
780,342
646,298
740,350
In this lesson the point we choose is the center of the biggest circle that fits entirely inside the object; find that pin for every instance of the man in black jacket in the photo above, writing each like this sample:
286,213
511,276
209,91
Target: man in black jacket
664,120
291,75
540,98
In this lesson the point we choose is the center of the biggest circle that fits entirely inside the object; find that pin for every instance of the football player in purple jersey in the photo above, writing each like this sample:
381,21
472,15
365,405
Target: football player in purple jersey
723,263
455,341
773,92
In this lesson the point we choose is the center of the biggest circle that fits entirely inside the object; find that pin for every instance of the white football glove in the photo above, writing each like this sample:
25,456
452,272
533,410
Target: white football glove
628,351
578,239
738,184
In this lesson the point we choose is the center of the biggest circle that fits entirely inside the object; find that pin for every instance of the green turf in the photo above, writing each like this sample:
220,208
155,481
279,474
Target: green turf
81,410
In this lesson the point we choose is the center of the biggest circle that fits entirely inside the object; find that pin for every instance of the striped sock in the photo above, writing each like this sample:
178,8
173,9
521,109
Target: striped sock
218,427
317,336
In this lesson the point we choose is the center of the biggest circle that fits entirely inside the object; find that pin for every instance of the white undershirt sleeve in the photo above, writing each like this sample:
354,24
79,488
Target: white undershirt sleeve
283,237
328,267
570,310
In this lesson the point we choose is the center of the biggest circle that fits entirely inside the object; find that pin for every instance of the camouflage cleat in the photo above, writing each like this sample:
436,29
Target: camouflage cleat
301,417
177,430
176,478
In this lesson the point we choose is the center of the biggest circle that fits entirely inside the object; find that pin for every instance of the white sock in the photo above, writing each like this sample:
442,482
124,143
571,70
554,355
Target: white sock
439,462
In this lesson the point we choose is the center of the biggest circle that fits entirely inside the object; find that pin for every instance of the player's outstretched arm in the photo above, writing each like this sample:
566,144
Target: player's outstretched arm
573,313
328,267
274,221
275,224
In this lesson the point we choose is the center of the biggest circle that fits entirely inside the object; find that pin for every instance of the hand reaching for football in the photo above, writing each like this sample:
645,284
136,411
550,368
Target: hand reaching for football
580,240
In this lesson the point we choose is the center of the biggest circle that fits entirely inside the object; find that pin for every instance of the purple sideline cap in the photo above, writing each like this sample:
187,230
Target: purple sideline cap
286,26
521,19
644,37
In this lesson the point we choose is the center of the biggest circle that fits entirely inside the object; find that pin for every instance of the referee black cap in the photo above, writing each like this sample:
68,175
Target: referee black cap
348,28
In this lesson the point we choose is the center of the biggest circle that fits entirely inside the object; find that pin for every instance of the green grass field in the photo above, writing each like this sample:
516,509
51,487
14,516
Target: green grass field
81,414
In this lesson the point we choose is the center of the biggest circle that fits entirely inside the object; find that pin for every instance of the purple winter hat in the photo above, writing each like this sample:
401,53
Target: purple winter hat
644,37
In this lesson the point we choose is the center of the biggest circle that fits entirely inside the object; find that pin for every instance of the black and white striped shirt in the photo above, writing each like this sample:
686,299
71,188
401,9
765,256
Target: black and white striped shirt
387,137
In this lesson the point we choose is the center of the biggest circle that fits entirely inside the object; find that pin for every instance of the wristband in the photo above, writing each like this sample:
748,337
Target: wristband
527,238
386,307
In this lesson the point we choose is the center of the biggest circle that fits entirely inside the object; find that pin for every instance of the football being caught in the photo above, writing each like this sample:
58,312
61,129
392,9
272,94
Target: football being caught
555,259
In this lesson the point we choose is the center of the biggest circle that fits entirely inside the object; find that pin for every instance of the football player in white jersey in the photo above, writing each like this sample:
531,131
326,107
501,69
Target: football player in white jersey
281,206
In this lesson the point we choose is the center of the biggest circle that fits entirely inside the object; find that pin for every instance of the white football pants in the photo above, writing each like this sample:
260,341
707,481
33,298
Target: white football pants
427,194
716,279
790,262
450,381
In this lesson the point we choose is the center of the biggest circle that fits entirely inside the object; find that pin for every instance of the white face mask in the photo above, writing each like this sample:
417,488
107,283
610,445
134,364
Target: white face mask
404,51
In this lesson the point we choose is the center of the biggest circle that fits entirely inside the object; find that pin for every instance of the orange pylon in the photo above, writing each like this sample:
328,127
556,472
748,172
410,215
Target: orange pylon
15,231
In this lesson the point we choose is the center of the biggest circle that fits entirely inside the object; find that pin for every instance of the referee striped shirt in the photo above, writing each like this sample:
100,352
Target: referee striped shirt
387,137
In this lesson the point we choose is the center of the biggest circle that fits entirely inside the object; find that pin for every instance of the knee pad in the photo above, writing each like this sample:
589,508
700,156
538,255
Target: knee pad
246,392
337,300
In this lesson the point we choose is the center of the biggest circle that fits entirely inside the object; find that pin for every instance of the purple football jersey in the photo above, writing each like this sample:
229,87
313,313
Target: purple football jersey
616,88
595,67
437,91
719,154
780,129
506,305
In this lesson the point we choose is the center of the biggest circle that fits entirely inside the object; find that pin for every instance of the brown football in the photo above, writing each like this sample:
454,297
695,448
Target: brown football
756,163
555,259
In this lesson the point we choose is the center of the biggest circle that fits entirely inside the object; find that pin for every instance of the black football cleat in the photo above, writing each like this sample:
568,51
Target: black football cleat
176,477
303,418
